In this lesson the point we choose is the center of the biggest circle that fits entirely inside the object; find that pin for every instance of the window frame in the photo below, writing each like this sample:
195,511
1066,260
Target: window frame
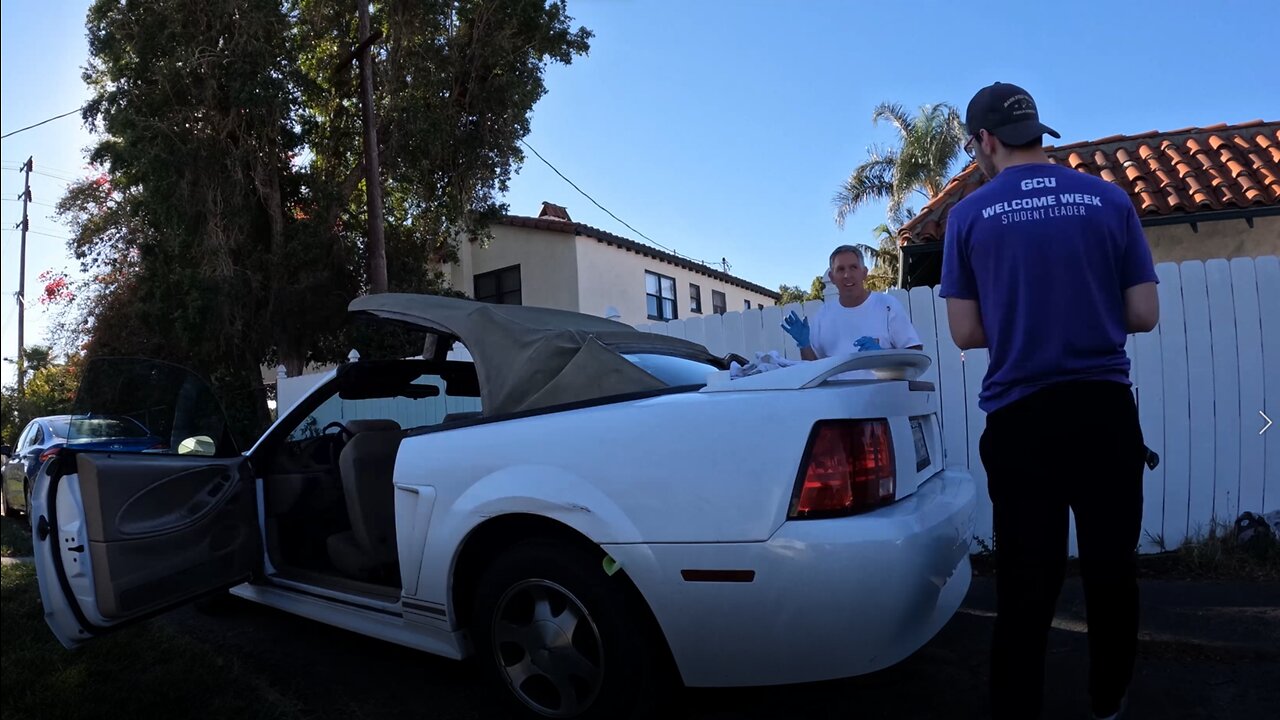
721,307
695,298
660,299
501,293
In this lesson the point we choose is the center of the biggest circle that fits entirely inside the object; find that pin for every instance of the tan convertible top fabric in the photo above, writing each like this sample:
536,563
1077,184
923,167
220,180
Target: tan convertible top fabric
530,357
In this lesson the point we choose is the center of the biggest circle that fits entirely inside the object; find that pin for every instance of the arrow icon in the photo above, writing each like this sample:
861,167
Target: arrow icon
1264,417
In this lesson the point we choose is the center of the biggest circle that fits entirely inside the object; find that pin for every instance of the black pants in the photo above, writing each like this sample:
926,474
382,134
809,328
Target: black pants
1072,445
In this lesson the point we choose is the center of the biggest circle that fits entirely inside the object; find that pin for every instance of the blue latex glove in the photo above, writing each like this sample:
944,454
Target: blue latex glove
866,342
797,328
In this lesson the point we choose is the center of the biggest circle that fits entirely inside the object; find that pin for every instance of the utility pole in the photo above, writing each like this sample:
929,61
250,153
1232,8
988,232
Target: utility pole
25,224
373,176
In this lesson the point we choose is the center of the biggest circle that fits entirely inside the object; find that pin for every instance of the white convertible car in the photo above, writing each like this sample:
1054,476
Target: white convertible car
591,511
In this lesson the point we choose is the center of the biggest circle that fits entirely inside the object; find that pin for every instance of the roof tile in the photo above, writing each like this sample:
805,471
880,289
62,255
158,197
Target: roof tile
1183,171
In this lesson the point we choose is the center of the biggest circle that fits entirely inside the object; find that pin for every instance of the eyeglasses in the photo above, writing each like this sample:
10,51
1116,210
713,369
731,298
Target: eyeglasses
971,145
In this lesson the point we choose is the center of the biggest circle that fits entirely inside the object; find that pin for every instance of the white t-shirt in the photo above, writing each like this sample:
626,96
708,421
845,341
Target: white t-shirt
834,328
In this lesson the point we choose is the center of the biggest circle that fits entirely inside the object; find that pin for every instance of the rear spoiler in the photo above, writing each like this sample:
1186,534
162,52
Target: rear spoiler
884,364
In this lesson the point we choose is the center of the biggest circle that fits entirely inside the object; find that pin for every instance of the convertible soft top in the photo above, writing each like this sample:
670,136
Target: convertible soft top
531,357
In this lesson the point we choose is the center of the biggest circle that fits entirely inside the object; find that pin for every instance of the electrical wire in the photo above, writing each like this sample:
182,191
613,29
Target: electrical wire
63,180
36,232
55,117
610,213
15,165
60,178
30,202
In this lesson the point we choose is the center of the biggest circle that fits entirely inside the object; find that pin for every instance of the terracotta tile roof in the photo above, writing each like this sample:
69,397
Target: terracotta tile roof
1167,174
577,228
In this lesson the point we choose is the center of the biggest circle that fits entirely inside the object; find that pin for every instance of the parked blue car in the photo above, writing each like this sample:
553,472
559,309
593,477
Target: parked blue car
46,434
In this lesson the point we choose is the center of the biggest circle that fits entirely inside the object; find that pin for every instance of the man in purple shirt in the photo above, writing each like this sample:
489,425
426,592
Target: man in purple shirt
1048,269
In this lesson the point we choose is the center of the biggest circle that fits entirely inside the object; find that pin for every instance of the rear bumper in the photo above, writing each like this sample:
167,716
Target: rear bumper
830,598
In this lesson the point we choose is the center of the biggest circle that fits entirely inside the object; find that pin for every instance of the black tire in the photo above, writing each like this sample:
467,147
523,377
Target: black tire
5,509
594,650
26,498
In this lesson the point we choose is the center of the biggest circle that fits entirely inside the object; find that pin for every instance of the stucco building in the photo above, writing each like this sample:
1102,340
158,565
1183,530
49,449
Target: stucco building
552,261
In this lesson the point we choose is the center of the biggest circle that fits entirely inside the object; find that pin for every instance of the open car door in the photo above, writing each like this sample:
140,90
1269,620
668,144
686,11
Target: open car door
122,535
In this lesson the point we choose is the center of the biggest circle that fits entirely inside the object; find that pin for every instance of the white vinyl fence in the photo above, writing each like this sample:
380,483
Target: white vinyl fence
1201,380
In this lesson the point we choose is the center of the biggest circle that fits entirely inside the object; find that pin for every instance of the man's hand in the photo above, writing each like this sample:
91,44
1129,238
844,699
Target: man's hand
866,342
797,328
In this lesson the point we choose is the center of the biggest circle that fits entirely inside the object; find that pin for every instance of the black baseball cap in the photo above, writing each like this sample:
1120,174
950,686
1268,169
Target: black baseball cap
1008,112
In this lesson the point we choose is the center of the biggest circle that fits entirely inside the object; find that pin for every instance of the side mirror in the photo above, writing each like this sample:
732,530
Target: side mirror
5,450
198,445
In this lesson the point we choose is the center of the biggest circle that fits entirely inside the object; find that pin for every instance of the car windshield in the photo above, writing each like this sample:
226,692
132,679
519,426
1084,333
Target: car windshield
97,428
672,370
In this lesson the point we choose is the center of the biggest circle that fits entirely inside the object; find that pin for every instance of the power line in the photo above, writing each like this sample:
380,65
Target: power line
33,202
37,232
51,172
610,213
15,165
55,117
52,176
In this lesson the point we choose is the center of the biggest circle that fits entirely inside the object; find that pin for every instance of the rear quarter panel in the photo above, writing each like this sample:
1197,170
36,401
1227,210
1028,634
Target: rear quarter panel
684,468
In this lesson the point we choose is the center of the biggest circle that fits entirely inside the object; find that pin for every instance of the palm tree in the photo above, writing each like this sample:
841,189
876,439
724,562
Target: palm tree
929,145
883,256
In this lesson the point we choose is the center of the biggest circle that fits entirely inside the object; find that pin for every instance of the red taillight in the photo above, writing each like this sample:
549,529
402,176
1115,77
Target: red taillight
44,456
848,468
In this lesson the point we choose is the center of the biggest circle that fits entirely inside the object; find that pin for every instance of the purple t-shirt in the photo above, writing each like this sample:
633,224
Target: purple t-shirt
1047,252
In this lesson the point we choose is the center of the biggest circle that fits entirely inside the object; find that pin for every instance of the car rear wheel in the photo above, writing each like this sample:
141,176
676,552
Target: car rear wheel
562,638
6,509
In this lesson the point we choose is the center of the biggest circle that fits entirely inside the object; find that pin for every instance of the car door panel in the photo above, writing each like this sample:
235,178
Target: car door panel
162,528
125,533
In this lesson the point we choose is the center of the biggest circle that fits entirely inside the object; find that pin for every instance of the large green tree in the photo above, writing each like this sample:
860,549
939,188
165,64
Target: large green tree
227,227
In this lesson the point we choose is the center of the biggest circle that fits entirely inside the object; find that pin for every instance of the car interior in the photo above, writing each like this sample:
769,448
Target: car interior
329,512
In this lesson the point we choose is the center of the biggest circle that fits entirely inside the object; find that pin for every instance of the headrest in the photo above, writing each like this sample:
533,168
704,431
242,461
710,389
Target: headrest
358,426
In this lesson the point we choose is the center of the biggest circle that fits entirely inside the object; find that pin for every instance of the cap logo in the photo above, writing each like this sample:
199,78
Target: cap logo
1020,105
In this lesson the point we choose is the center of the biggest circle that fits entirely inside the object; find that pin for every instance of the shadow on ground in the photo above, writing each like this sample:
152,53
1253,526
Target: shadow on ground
1209,650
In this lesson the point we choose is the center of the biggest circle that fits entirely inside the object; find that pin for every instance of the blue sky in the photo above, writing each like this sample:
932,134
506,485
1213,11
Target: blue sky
722,128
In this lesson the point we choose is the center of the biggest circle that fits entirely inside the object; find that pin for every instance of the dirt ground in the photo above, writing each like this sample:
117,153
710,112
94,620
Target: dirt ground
1208,650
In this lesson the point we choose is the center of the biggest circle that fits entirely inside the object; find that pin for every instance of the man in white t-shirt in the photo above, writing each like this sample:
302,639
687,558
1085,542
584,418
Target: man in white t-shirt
859,320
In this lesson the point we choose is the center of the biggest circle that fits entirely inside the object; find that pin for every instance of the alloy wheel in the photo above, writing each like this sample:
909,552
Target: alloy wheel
548,648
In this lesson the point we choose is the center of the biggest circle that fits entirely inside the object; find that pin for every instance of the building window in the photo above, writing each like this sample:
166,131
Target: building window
660,296
718,304
501,287
746,305
695,299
